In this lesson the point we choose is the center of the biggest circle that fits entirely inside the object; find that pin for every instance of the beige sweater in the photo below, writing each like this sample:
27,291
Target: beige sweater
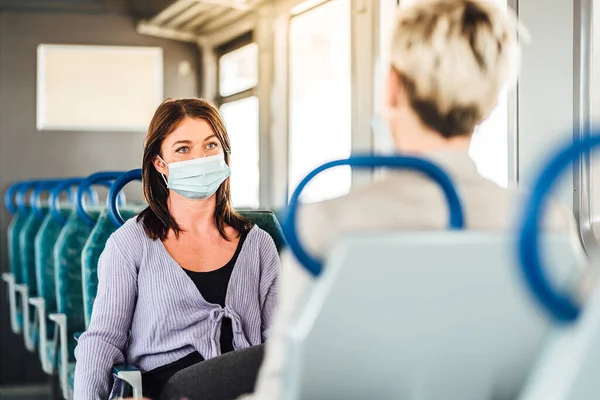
402,200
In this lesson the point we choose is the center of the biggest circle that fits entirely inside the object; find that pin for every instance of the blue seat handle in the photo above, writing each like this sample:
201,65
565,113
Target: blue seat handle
35,200
313,265
116,188
66,185
9,197
102,178
559,306
20,198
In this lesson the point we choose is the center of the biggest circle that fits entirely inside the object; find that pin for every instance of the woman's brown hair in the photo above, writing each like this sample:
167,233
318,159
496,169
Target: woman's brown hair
156,218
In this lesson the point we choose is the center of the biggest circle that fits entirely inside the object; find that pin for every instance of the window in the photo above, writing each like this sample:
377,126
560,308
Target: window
489,145
241,118
238,77
238,70
320,104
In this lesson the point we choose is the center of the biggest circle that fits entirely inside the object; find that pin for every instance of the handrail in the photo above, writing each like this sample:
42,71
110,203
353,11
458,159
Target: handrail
97,178
35,200
20,199
64,185
9,201
559,306
118,185
313,265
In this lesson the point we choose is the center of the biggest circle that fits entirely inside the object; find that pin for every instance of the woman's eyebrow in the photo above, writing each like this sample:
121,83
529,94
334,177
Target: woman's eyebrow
181,142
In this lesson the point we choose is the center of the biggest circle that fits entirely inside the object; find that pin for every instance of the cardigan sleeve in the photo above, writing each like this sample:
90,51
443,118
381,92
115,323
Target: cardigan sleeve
270,266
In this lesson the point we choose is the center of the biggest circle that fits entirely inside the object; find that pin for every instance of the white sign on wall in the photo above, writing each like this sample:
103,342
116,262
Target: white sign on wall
98,88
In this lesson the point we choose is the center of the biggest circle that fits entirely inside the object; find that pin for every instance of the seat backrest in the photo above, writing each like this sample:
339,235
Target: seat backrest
67,258
27,249
267,221
14,245
90,255
45,240
438,315
568,364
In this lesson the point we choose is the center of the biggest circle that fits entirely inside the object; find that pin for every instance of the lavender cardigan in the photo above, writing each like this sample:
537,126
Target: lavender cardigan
149,313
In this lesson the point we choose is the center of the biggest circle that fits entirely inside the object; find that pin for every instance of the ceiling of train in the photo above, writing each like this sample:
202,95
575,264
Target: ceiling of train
187,17
200,17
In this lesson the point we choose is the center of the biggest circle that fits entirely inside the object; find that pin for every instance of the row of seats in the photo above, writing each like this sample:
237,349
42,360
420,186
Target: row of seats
54,248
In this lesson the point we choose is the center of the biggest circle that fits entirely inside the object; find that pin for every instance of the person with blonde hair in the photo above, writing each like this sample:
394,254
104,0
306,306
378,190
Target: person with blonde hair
450,60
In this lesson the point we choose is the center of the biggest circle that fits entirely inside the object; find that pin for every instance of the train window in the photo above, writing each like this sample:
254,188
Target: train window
489,146
238,77
319,101
238,70
241,118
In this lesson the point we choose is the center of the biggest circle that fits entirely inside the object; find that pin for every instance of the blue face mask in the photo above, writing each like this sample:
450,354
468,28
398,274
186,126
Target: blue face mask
383,136
198,178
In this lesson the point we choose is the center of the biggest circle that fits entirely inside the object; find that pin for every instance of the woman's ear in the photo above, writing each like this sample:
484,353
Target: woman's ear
160,166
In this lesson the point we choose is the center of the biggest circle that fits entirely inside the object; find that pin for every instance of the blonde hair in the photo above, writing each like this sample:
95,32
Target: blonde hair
454,57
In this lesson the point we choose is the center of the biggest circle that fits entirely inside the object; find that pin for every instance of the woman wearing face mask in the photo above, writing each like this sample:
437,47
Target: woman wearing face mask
188,279
449,61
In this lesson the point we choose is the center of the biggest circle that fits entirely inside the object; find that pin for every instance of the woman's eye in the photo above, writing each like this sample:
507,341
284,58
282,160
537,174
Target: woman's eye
183,150
212,146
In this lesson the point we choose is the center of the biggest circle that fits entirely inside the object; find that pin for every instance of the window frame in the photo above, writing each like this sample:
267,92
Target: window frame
228,47
221,50
583,112
354,109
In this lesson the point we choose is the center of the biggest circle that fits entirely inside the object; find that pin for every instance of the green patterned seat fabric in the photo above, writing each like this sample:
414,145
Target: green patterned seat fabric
34,331
14,255
27,249
54,356
91,253
51,353
267,221
67,258
27,246
44,258
14,245
71,376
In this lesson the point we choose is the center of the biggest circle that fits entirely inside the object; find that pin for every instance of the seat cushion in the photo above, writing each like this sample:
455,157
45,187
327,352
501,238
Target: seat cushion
51,353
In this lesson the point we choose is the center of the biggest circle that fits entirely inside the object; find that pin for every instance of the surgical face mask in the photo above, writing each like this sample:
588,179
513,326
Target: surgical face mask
383,136
198,178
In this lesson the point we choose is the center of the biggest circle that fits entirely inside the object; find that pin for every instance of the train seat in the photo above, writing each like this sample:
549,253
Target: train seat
422,315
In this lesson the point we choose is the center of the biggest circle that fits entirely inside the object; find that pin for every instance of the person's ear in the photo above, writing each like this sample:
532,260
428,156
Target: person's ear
160,166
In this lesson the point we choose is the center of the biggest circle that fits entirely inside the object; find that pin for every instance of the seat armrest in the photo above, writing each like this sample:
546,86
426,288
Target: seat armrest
40,308
24,291
9,278
130,375
61,323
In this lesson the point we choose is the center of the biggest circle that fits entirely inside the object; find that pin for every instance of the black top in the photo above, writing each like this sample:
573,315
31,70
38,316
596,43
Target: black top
213,288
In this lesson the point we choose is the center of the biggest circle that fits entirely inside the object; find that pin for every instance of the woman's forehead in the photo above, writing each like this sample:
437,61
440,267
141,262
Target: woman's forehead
192,129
